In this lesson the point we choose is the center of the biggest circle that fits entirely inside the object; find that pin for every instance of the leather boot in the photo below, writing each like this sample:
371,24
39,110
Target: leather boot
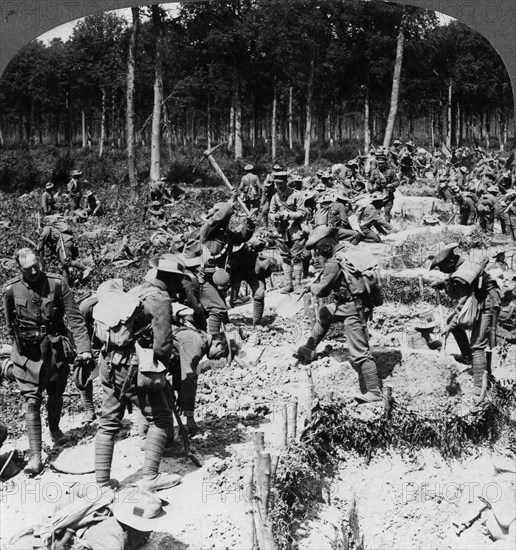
33,419
287,272
479,367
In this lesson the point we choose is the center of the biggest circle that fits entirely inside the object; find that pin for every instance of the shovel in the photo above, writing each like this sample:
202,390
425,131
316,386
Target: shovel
289,306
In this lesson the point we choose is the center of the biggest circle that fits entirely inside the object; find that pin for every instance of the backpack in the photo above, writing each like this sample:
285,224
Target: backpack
322,215
114,318
62,227
361,274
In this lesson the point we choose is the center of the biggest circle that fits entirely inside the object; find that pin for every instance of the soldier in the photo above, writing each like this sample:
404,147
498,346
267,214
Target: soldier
35,305
394,151
467,208
468,279
486,212
93,205
506,213
157,216
265,201
159,191
353,311
219,241
288,212
152,330
462,177
369,217
250,188
74,190
58,238
406,160
48,201
340,212
113,251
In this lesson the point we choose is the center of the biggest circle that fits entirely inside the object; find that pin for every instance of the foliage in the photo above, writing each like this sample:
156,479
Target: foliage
18,171
304,471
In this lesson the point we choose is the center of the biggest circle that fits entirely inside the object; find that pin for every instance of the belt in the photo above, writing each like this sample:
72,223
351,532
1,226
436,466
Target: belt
35,334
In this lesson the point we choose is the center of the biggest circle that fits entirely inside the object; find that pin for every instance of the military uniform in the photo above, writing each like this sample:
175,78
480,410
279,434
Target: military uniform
42,352
48,203
218,242
250,189
368,218
354,313
115,367
74,192
58,238
288,213
484,288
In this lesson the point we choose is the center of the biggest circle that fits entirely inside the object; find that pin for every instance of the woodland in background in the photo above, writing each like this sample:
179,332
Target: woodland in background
264,75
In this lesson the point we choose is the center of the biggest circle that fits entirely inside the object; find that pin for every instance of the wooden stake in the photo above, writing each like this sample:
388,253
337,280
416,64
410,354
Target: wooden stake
310,395
274,466
259,445
284,426
292,420
266,483
388,402
249,505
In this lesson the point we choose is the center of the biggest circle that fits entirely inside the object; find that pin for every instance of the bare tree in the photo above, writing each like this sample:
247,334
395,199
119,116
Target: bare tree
158,94
131,59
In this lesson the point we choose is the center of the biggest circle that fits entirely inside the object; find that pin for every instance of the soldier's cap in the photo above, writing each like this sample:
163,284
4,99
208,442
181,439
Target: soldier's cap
443,177
163,178
446,253
281,175
377,196
248,167
6,350
326,198
269,182
425,322
493,189
309,195
321,188
138,510
506,172
326,175
464,169
319,172
49,185
483,208
319,233
431,219
396,142
499,255
88,193
277,168
352,162
341,196
437,154
410,143
155,204
191,255
76,173
221,277
169,263
296,177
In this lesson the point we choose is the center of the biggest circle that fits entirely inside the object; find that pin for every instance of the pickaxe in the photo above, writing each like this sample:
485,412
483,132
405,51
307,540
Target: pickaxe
209,155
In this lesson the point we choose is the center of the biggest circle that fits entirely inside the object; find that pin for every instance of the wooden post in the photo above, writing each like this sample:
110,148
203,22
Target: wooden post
292,420
284,426
310,394
388,402
266,483
421,288
249,502
274,466
258,440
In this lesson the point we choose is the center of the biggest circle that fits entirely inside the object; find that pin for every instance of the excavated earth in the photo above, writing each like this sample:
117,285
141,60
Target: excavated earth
401,499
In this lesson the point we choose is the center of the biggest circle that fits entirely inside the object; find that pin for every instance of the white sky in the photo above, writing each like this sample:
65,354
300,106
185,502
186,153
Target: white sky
65,31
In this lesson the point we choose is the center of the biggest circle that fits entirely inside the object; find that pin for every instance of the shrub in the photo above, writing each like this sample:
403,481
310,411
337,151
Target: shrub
18,172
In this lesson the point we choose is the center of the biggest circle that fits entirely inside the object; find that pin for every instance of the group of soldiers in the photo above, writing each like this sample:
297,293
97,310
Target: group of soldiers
73,202
181,308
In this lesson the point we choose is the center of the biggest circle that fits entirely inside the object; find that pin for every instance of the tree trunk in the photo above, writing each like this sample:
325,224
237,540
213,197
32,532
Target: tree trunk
395,88
231,133
158,94
83,128
367,116
308,128
102,123
168,132
238,119
208,123
449,117
273,123
131,62
290,102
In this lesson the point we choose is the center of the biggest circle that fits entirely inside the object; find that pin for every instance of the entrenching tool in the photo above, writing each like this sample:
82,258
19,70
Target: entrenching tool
289,306
208,154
